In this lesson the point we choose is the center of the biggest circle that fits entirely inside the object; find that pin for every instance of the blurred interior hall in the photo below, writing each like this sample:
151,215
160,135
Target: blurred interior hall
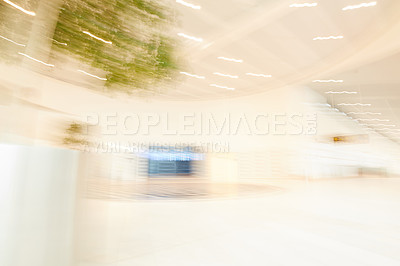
199,133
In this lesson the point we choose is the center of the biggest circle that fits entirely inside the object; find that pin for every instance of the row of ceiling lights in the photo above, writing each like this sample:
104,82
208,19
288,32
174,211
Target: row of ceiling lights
220,57
385,127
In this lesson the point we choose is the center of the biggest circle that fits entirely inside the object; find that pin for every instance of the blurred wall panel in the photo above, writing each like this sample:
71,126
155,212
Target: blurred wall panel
38,192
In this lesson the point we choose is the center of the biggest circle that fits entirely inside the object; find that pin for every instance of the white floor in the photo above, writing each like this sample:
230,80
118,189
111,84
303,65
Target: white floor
330,222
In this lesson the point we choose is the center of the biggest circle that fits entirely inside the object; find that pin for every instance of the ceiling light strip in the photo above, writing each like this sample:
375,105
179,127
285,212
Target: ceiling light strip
192,75
221,87
97,38
230,59
20,8
19,44
94,76
328,38
190,37
258,75
188,4
351,7
36,60
225,75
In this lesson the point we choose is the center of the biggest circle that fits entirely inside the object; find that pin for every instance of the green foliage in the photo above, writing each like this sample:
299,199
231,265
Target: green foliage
141,53
74,137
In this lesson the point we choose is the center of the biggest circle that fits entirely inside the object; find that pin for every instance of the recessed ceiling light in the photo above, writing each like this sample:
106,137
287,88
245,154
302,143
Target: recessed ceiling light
304,5
36,60
222,87
188,4
230,59
19,44
192,75
328,38
258,75
351,7
94,76
190,37
62,43
97,38
225,75
20,8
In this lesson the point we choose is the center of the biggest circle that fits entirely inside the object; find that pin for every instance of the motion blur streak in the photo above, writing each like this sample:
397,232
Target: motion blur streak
126,139
20,8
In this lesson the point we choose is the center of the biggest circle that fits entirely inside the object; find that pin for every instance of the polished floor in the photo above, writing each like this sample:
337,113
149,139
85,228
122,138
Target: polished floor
326,222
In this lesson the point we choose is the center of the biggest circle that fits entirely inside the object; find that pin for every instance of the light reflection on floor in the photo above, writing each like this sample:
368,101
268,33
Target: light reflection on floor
329,222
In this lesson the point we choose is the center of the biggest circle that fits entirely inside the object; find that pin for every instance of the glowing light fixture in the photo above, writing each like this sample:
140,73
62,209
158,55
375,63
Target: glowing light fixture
225,75
351,7
36,60
192,75
97,38
188,4
190,37
258,75
230,59
328,38
19,44
20,8
62,43
222,87
94,76
304,5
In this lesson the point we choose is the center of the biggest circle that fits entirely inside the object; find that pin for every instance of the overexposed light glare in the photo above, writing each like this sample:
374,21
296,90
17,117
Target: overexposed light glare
363,113
225,75
19,44
258,75
230,59
97,38
62,43
304,5
20,8
192,75
341,92
222,87
188,4
354,104
351,7
328,81
328,38
36,60
94,76
190,37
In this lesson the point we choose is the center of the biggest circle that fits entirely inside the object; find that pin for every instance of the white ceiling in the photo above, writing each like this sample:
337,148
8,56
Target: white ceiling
274,39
